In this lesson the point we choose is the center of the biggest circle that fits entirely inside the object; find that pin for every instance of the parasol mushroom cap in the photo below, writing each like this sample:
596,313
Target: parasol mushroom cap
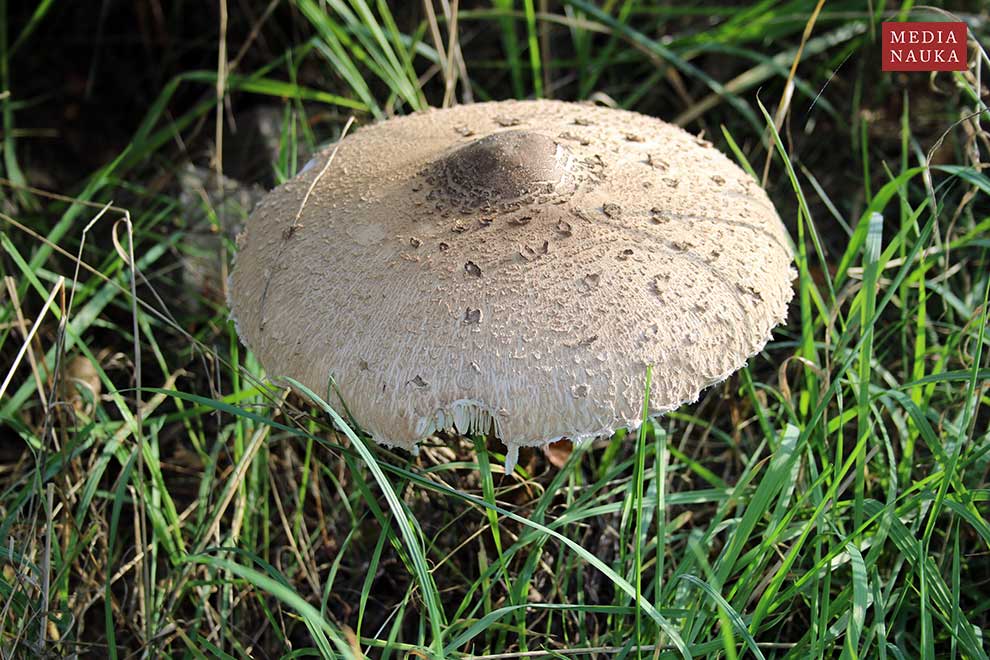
515,264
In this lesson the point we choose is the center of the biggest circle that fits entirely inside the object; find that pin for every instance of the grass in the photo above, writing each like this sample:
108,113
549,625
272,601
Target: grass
830,500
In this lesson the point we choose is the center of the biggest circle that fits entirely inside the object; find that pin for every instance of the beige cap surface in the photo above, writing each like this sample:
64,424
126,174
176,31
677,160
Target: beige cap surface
517,263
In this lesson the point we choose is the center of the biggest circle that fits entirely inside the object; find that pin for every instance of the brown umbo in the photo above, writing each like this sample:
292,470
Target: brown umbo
428,273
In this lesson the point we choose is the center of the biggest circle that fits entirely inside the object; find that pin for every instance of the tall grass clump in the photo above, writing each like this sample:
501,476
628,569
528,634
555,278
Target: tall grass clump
160,498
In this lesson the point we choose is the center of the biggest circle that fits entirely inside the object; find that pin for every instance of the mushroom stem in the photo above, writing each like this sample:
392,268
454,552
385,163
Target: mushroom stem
511,458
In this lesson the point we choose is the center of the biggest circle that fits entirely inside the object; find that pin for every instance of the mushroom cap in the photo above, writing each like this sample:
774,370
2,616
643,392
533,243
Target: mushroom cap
516,264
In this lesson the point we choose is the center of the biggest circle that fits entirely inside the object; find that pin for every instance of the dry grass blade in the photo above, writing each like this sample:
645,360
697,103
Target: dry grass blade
57,289
11,286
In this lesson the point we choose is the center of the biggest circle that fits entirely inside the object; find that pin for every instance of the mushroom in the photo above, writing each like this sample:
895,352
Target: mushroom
513,265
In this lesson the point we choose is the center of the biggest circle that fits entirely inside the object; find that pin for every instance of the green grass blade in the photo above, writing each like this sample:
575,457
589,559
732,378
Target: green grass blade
413,544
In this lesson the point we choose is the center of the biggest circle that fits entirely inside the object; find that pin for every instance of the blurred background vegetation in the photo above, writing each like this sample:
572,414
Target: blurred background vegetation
157,499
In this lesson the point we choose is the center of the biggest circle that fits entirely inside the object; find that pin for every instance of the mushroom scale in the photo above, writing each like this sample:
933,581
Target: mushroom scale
514,265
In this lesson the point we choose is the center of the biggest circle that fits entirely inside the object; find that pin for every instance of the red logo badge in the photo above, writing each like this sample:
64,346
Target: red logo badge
924,46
